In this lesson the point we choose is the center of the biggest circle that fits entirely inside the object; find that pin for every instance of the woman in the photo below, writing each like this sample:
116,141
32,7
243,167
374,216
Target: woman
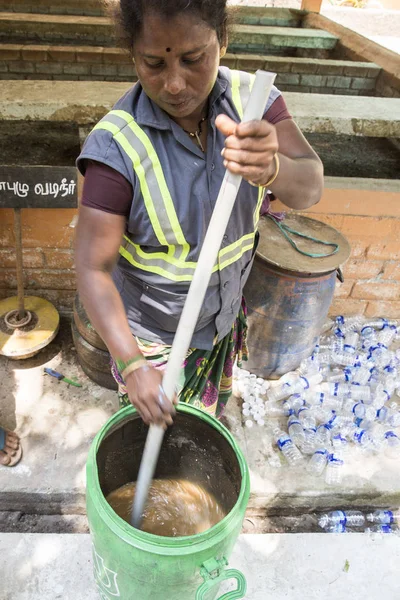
153,168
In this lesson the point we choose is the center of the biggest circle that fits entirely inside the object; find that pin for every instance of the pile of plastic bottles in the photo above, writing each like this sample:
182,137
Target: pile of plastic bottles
346,394
379,521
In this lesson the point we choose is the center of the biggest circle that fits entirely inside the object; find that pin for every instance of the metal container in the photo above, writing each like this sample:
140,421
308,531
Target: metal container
289,294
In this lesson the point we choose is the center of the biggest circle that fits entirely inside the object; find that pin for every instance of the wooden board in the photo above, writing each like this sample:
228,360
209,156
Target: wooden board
38,187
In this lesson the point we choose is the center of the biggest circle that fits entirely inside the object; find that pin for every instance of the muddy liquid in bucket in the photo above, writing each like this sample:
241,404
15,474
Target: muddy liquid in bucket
175,507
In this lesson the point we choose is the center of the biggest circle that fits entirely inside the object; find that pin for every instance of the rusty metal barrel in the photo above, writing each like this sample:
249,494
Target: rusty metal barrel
289,294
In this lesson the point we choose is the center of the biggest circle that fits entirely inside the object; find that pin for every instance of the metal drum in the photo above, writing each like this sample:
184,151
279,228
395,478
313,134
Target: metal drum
289,294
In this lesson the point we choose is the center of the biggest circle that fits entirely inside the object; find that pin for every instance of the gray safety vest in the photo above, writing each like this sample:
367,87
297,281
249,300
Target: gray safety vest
159,250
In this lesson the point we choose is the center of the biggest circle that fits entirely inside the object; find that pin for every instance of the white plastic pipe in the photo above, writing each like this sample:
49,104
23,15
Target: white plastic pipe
212,243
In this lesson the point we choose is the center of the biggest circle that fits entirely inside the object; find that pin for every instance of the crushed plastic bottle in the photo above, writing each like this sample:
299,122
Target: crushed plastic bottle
317,462
334,470
383,517
346,395
287,447
351,518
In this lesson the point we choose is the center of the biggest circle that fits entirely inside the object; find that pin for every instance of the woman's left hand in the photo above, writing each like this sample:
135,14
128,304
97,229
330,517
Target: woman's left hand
249,148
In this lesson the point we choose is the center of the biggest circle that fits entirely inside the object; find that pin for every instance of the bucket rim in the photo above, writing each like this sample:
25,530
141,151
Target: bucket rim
148,541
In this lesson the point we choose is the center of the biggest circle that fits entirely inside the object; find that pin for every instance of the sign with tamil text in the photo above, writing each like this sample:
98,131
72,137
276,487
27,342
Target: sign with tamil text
38,187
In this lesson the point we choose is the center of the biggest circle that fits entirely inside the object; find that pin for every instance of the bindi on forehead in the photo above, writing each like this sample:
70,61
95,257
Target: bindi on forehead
168,49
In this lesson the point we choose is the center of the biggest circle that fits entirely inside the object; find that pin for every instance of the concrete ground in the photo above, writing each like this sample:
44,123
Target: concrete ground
279,567
58,422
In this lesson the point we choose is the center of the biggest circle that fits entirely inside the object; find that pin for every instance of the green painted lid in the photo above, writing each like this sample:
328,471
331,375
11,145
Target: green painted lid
277,250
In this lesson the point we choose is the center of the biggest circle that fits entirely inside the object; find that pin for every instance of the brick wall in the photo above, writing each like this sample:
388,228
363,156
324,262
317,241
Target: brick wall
366,215
112,64
370,220
47,239
65,63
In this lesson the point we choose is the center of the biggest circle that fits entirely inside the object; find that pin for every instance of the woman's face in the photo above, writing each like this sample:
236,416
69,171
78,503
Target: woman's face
177,63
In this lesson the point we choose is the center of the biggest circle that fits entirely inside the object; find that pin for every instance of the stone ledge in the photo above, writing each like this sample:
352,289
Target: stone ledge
51,27
87,102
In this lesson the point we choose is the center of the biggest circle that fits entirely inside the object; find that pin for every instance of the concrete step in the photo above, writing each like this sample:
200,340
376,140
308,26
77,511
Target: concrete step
60,7
251,15
66,29
282,567
85,103
252,38
99,63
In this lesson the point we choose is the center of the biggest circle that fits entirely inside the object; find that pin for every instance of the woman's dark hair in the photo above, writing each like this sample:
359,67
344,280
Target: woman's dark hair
129,15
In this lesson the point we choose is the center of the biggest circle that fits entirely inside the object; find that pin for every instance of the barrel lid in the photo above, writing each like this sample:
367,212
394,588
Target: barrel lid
277,250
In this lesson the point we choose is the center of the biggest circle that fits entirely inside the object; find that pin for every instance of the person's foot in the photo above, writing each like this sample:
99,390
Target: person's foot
11,450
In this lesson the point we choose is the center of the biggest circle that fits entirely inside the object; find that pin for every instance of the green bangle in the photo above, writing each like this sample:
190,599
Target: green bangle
122,365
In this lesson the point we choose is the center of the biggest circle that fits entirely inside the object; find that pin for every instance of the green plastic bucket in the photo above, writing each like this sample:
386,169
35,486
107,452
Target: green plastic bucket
133,565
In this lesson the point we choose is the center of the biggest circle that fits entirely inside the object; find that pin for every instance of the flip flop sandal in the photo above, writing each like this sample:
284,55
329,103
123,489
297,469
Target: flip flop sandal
14,459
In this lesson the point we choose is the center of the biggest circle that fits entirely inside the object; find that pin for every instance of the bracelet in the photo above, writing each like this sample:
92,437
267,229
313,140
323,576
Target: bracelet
274,176
121,364
139,364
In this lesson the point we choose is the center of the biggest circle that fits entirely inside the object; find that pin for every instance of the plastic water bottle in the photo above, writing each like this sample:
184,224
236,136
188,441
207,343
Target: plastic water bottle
317,463
351,342
380,323
338,390
323,435
321,414
306,418
342,375
382,414
362,438
346,324
361,375
383,517
294,403
309,366
294,387
351,518
357,409
343,358
393,418
360,392
296,431
338,528
340,444
379,529
310,443
392,445
344,425
273,409
287,447
387,335
334,470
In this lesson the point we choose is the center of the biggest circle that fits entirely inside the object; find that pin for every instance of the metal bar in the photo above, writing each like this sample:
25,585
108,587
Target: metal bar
18,252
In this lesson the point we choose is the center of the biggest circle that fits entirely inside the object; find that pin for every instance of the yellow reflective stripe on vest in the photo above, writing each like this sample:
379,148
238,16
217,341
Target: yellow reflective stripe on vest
235,87
241,86
158,202
155,262
165,193
261,194
156,196
177,270
133,155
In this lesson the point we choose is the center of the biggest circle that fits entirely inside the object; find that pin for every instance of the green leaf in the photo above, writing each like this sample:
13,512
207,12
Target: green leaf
346,566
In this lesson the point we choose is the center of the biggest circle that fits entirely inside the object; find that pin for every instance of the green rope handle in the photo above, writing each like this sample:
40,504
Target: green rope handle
285,228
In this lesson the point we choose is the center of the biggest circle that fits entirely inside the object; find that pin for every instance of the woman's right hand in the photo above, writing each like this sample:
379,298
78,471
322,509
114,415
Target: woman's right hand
145,392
